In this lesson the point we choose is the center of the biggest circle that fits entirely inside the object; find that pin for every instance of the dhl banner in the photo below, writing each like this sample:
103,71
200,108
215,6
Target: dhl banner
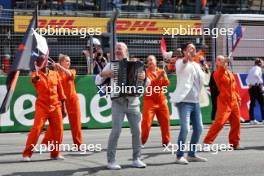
123,25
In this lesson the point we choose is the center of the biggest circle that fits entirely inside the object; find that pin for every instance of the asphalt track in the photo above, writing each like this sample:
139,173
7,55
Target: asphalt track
248,162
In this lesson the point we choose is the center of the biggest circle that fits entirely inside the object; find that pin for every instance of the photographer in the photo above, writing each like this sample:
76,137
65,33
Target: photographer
99,61
95,64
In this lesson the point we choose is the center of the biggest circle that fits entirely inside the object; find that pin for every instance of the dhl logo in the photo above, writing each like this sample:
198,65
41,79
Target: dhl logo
121,25
197,27
126,25
54,23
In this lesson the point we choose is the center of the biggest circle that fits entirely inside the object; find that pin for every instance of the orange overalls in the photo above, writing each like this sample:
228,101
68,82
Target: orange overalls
47,107
156,104
73,109
227,107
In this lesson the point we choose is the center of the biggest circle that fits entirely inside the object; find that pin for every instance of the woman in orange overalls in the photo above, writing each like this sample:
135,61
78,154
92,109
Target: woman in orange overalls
72,102
228,103
49,106
155,103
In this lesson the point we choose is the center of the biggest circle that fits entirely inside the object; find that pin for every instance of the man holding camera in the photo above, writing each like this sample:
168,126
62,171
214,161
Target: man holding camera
95,65
99,61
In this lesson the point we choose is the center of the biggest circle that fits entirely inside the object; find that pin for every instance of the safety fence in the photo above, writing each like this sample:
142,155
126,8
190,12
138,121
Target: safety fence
70,33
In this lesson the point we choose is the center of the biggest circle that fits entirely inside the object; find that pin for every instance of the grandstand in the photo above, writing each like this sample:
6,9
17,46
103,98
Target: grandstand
142,14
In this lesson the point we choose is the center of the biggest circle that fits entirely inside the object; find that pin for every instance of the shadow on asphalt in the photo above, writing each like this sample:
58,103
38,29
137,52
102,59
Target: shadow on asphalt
20,161
82,171
11,153
130,148
254,148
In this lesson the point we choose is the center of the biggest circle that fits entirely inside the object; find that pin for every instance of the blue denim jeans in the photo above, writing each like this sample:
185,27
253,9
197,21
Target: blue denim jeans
189,112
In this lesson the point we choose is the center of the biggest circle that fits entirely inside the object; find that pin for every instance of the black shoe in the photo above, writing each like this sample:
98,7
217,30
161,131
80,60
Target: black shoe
165,145
239,148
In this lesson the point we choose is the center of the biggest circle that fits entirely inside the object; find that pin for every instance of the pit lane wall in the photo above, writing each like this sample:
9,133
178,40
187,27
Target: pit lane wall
95,110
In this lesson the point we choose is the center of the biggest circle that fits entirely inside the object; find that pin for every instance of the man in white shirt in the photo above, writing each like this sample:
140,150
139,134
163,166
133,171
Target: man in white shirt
190,79
125,105
255,82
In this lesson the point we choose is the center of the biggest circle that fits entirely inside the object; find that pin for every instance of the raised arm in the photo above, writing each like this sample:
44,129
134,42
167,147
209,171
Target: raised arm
64,70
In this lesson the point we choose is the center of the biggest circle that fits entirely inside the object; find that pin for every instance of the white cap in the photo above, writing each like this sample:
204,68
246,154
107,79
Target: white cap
168,55
95,41
7,55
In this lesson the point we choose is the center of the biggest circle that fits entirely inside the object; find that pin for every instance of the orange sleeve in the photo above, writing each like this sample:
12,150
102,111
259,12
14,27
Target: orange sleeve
73,74
221,71
238,96
33,74
152,79
237,91
218,75
161,82
165,82
153,82
60,89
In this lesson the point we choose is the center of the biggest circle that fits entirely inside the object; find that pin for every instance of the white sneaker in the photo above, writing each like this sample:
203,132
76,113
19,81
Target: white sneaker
196,159
142,146
138,164
60,157
181,161
113,166
255,122
26,159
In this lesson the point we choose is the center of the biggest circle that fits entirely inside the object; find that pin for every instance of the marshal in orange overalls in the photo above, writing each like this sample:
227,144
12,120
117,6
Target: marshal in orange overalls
227,107
156,104
72,107
48,106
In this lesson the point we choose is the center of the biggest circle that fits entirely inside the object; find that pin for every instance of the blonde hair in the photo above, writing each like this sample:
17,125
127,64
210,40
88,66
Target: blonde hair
123,45
152,56
62,57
